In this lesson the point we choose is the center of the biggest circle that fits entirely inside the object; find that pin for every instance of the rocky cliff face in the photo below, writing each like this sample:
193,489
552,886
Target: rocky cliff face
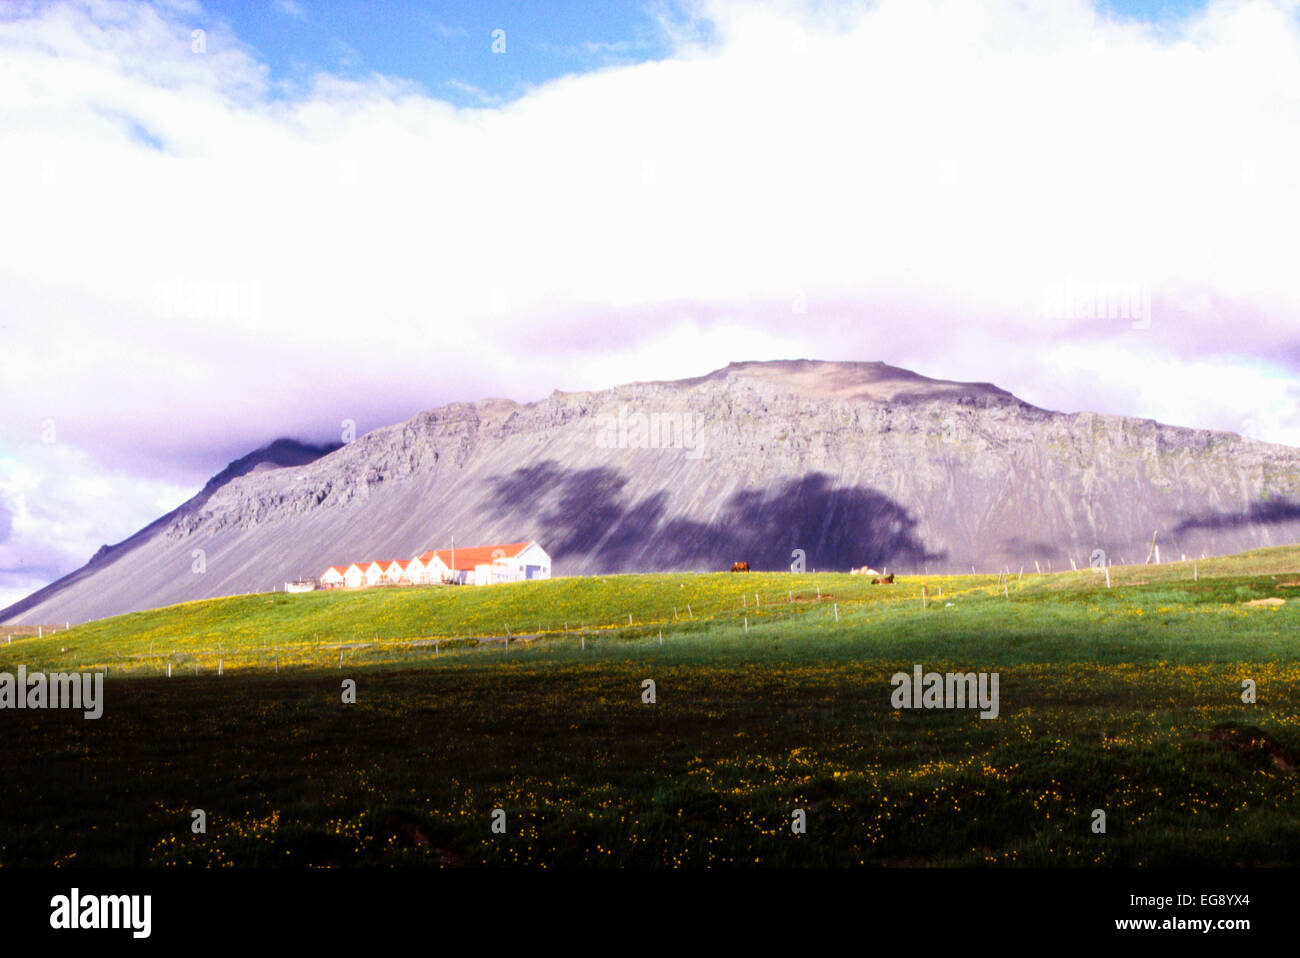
853,463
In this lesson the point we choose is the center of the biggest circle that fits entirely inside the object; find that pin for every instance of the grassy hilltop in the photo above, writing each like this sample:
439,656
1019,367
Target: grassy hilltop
1126,699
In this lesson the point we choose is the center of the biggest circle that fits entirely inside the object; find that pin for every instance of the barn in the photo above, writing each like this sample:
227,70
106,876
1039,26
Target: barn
332,578
374,572
476,565
485,565
395,572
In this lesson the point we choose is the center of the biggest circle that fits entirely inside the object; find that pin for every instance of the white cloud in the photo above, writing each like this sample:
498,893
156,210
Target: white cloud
57,505
478,94
921,171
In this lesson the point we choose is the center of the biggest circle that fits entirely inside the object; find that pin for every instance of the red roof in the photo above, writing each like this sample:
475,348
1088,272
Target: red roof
471,556
466,558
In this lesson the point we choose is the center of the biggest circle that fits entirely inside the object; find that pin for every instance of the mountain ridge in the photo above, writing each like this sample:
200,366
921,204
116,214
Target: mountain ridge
853,463
278,453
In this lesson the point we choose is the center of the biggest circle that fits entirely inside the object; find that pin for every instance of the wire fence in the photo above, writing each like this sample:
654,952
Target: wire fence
751,609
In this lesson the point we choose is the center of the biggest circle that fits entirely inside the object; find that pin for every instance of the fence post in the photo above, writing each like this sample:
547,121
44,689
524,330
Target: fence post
837,611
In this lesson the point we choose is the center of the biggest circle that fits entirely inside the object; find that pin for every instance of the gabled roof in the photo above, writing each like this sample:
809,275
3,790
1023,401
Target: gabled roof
466,558
470,556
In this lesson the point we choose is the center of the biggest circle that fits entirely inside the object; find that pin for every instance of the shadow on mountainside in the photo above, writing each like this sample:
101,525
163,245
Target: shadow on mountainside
1260,513
586,514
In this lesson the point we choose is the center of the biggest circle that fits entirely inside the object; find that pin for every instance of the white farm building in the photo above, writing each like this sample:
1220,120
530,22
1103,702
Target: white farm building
475,565
486,565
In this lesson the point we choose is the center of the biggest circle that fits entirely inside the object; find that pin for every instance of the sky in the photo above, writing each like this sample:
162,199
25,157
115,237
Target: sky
233,221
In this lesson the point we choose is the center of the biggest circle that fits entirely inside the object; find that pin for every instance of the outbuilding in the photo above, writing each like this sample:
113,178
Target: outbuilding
487,565
332,578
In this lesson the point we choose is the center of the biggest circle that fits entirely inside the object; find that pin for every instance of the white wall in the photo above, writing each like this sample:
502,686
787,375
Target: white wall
533,559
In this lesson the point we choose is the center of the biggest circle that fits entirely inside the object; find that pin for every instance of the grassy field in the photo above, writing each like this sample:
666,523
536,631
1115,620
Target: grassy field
1126,699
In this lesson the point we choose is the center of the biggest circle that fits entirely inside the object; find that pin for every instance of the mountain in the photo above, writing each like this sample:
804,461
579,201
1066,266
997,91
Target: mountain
853,463
277,455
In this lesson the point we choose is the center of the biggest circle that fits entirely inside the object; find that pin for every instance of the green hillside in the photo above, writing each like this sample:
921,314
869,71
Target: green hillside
389,623
1126,699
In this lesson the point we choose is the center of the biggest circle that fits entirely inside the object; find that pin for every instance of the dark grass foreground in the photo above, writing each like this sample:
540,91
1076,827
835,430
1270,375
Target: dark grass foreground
1125,700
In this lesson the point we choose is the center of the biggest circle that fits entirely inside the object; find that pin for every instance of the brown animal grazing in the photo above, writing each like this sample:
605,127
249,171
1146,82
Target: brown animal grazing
885,580
740,567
